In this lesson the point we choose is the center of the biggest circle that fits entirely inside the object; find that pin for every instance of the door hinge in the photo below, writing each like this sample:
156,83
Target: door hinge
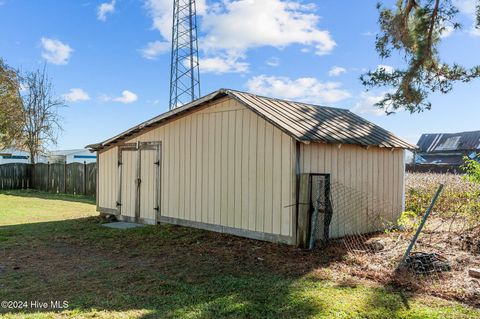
119,163
157,208
119,204
139,181
157,163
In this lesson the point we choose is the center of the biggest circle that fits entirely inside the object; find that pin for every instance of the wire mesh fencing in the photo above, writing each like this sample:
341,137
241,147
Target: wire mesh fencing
372,235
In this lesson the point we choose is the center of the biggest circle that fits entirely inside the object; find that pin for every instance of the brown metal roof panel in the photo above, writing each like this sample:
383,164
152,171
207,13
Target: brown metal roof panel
364,133
336,121
315,127
378,134
302,121
290,120
325,123
322,124
303,124
273,117
296,117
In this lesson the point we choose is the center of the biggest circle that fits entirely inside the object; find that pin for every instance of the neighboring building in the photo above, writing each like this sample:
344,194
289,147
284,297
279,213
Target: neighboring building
230,162
14,155
72,156
445,151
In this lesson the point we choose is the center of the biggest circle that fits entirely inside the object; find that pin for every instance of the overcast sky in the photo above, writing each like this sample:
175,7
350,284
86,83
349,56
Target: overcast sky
110,60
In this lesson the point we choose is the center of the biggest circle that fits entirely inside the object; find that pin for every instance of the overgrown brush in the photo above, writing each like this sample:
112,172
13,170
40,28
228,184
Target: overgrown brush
459,201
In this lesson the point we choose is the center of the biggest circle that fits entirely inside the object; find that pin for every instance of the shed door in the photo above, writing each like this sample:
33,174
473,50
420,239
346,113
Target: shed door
149,181
128,182
139,171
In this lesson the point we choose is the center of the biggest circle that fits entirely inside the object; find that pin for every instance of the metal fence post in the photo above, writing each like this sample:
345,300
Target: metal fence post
65,177
422,223
84,177
48,177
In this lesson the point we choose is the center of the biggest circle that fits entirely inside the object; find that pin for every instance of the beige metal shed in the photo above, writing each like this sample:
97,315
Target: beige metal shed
230,162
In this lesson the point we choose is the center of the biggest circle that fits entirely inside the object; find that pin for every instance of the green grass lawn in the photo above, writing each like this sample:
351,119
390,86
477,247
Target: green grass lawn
28,206
52,247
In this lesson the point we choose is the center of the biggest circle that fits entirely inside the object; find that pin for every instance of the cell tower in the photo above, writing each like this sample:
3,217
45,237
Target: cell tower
184,74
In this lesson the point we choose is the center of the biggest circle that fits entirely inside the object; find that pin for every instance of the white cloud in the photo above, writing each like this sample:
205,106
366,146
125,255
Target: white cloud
387,68
153,49
76,95
309,90
126,97
366,104
368,33
55,51
221,65
232,27
244,24
336,71
474,32
161,12
104,9
448,31
273,61
468,8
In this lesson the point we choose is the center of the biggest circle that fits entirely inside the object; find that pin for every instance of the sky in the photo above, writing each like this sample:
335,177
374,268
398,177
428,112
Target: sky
110,60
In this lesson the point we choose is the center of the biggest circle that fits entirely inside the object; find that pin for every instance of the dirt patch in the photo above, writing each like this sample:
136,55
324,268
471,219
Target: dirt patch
381,266
471,242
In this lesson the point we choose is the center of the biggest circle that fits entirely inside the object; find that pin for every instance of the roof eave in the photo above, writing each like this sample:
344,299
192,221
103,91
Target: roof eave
164,116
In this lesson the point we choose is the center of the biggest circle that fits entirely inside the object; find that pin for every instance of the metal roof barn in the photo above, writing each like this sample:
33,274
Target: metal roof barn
231,162
448,142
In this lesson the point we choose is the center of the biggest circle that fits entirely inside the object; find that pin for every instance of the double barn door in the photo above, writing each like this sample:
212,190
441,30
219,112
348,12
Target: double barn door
139,170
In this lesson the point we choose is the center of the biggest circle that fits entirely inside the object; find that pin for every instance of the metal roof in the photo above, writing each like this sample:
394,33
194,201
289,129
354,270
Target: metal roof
304,122
448,142
66,152
441,159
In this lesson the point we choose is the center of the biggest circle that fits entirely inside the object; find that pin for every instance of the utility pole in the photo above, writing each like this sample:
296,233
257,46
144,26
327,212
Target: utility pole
184,74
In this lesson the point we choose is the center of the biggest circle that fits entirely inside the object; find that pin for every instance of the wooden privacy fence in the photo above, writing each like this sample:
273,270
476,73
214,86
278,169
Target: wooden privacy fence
73,178
15,176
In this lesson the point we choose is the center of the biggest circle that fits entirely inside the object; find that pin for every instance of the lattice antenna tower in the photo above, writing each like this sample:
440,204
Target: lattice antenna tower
184,74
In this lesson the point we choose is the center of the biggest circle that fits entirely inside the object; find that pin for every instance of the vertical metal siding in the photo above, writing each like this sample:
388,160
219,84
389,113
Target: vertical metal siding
222,165
371,181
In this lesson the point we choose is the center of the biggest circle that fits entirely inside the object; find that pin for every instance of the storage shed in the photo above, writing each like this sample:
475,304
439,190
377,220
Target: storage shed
231,162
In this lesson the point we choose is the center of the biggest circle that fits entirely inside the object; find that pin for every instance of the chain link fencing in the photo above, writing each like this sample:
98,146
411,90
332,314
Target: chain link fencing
376,242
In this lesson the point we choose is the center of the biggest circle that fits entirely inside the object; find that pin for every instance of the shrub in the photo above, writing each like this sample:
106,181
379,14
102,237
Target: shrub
409,221
472,170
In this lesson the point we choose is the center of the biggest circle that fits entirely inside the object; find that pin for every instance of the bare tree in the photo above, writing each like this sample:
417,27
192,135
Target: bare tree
41,121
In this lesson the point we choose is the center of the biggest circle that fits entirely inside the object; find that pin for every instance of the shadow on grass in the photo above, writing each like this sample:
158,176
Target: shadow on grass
171,272
50,196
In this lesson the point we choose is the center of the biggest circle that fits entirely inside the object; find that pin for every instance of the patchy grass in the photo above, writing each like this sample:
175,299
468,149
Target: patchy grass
175,272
